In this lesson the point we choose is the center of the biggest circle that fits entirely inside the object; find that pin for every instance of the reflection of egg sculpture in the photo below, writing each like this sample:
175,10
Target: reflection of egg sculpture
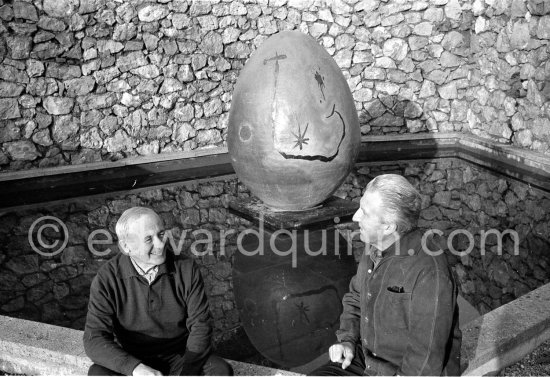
293,131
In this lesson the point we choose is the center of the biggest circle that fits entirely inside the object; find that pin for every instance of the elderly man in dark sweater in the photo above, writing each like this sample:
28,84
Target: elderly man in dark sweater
148,313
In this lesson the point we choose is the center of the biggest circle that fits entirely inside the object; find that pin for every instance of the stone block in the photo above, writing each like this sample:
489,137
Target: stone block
23,150
25,11
10,89
33,279
212,189
61,8
428,89
62,71
437,76
343,58
543,29
538,7
96,101
23,264
109,46
519,38
79,86
19,46
119,142
423,29
91,139
448,91
344,41
453,10
58,105
413,110
450,60
170,85
237,50
442,198
387,88
64,127
150,12
395,48
131,60
387,120
417,42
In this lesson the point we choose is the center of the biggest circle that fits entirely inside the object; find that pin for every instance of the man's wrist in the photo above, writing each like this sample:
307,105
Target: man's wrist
130,366
351,344
348,341
190,357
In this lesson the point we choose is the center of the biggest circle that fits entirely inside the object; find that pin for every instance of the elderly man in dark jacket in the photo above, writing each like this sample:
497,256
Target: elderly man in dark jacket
148,313
400,314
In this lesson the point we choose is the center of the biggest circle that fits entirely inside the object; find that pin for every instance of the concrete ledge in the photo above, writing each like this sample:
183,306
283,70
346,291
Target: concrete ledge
469,142
490,342
34,348
507,334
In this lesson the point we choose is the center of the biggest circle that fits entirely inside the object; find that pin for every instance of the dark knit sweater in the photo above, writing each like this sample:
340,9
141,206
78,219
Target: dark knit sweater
130,321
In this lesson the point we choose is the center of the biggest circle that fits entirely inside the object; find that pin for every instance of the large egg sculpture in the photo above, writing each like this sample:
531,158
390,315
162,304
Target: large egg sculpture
293,133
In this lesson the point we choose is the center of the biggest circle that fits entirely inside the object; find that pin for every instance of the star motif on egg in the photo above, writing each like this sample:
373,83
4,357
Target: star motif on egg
302,310
301,138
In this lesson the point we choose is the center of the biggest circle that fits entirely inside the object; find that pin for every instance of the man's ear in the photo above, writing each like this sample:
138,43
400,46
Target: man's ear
123,246
390,228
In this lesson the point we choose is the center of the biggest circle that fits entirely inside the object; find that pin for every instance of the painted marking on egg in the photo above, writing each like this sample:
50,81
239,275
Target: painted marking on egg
276,58
331,130
301,137
320,82
320,157
245,133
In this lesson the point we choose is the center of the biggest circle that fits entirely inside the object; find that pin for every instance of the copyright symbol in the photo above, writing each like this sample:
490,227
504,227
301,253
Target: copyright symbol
51,249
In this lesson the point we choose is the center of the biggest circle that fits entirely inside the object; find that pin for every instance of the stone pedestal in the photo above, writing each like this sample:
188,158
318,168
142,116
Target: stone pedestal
289,276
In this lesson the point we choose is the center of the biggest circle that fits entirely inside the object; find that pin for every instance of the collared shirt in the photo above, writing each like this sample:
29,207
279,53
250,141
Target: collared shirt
130,321
403,310
148,275
375,255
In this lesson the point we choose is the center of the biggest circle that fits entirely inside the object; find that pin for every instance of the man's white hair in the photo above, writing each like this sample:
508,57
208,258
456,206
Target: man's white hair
401,200
131,214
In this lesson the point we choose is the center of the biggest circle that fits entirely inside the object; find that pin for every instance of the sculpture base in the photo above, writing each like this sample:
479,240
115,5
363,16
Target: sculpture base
331,212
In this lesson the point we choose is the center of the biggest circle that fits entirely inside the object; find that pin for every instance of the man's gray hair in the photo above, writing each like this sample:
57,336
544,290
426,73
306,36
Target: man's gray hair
401,200
127,217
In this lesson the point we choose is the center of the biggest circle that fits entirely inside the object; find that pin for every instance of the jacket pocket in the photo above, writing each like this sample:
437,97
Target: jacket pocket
396,309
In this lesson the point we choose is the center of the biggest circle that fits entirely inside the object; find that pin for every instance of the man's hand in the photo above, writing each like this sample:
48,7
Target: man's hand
144,370
342,353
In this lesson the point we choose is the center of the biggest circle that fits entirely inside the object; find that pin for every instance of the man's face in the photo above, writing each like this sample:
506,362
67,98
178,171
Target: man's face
369,217
145,242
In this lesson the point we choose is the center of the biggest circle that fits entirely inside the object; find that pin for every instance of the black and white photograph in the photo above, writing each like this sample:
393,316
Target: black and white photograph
275,187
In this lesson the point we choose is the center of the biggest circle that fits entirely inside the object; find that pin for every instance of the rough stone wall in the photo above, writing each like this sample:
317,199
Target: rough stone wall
509,90
455,196
99,80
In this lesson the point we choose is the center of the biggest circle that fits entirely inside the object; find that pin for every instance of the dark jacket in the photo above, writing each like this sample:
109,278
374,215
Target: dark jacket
404,312
130,321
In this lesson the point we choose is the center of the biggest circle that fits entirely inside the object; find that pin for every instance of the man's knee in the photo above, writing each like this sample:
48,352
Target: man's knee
98,370
216,366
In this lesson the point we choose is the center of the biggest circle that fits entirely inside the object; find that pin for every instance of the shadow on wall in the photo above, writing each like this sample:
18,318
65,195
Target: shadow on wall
393,114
